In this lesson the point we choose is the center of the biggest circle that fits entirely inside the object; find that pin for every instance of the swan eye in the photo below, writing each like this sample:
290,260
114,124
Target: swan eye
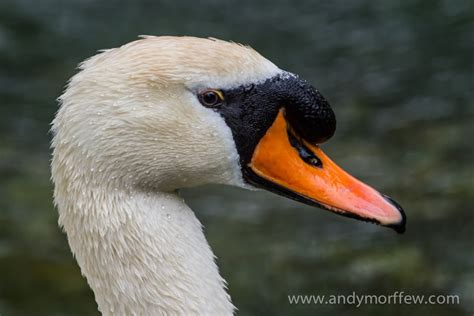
211,98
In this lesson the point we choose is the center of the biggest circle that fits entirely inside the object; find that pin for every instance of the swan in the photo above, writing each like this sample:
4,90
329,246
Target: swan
139,122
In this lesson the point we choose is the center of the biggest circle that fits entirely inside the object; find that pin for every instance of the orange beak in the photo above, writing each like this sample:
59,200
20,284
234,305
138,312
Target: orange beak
292,167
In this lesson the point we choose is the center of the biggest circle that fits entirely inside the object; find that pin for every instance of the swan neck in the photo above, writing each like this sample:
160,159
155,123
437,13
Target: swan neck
143,253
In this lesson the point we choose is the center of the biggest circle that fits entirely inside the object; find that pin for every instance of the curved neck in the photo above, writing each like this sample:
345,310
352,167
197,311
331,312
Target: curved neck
143,253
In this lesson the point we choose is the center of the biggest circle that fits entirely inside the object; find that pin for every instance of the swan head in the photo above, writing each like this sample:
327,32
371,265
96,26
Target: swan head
163,113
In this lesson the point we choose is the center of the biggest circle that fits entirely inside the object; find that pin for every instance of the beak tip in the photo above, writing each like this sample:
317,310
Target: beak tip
399,228
401,225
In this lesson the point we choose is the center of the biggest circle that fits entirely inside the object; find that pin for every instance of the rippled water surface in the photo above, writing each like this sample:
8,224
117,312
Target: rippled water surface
399,77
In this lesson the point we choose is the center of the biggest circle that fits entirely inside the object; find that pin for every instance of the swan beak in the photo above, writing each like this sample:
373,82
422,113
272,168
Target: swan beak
290,166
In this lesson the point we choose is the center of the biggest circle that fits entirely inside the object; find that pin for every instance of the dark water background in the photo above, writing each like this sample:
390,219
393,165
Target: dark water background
399,75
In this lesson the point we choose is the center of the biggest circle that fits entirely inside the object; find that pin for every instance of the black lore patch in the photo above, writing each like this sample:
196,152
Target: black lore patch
251,109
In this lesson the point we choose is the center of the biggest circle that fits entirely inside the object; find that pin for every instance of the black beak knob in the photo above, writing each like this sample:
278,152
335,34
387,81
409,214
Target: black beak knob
309,113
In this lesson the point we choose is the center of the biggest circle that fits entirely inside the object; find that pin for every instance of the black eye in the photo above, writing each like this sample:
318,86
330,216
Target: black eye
211,98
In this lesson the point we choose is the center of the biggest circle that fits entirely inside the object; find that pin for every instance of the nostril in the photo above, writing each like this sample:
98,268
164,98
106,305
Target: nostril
304,152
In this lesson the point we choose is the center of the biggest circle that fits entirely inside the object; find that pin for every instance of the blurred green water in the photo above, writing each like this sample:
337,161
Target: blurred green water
399,77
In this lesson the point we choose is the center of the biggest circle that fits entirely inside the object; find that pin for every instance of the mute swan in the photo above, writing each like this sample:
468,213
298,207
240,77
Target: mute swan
141,121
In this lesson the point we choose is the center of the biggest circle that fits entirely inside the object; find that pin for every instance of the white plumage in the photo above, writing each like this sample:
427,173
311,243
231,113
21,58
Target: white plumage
128,134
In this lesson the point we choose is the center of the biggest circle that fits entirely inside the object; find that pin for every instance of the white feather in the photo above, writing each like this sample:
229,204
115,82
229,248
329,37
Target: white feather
129,133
